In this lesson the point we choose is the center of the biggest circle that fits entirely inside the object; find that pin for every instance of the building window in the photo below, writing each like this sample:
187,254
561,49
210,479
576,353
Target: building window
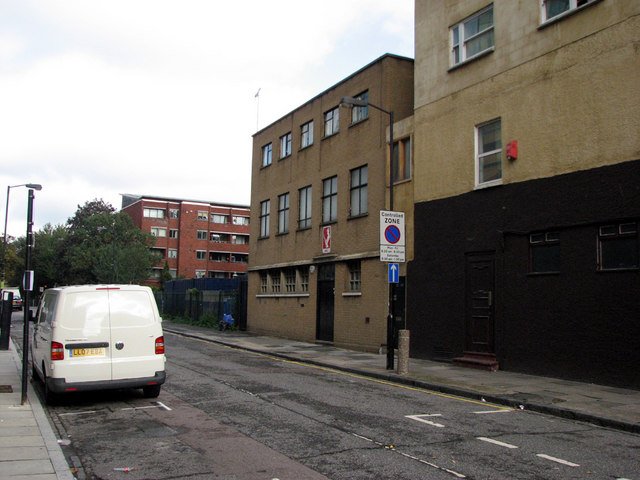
618,246
355,276
219,237
159,252
402,160
275,281
240,220
265,210
240,239
201,255
153,212
359,114
218,257
331,122
304,219
240,258
544,250
283,213
306,134
217,218
285,145
173,253
201,234
267,152
173,272
263,282
174,213
159,232
472,36
290,280
203,215
552,8
330,199
173,233
489,153
304,279
359,191
201,273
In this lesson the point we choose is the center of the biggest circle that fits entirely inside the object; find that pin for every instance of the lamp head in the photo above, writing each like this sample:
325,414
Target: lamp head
350,102
35,186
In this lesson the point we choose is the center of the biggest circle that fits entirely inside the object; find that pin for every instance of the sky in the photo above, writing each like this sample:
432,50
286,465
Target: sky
158,97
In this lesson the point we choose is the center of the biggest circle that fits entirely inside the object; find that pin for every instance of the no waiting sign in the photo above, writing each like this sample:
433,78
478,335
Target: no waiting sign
392,241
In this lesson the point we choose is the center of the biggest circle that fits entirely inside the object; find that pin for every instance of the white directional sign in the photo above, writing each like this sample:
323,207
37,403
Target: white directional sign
392,241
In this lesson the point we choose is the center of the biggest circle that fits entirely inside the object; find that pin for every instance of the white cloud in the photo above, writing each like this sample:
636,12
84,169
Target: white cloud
157,97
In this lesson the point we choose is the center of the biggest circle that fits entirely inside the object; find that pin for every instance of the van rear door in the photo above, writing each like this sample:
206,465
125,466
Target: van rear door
82,325
135,326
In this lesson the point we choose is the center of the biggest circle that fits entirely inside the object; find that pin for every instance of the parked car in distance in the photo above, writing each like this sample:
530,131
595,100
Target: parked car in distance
96,337
17,298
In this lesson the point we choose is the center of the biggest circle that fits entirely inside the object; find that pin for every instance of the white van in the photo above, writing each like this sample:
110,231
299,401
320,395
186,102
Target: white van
94,337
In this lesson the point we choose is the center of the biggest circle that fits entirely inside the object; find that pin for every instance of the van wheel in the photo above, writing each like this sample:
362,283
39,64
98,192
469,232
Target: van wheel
151,391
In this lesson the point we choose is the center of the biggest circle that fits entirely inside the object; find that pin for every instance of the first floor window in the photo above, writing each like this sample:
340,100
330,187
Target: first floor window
331,121
472,36
201,273
304,279
283,213
355,276
330,199
290,280
265,209
618,246
267,152
306,132
489,153
544,249
263,282
359,179
275,281
304,219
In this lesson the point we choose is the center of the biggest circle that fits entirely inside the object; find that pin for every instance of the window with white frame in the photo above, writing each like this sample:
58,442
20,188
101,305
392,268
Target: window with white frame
618,246
238,220
203,215
306,134
173,233
304,218
283,213
472,36
201,255
174,213
219,237
330,199
489,153
240,239
267,154
173,253
355,276
159,232
265,210
201,234
173,272
285,145
153,213
359,191
359,114
331,122
550,9
219,218
201,273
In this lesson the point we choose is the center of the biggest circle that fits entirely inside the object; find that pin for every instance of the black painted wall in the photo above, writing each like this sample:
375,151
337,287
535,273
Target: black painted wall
578,324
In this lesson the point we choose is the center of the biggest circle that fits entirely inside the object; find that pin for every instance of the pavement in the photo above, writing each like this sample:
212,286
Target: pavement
30,450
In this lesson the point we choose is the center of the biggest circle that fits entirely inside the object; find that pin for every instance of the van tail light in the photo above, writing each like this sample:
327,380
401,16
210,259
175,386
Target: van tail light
159,345
57,351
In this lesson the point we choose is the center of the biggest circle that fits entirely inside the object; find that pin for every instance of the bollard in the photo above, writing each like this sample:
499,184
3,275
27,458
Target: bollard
5,321
403,352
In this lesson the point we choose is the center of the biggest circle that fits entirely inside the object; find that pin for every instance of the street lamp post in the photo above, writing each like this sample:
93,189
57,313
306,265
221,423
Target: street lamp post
351,102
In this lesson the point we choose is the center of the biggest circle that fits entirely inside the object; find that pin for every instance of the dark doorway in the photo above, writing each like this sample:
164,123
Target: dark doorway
480,300
326,294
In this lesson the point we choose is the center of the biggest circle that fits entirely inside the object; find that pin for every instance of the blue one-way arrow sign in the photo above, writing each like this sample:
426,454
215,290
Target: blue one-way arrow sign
394,273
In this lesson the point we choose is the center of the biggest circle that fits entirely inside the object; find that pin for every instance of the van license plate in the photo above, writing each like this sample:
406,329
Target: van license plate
86,352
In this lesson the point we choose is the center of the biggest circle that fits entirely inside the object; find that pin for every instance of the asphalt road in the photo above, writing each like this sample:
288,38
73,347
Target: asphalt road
229,414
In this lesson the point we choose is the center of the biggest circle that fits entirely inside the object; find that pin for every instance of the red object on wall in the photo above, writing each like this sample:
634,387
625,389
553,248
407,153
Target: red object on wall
512,150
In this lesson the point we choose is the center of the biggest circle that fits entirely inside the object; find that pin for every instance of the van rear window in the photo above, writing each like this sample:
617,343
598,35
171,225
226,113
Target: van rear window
131,308
87,311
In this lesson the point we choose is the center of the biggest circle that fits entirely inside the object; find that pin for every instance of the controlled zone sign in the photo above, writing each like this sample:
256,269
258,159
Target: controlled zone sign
392,243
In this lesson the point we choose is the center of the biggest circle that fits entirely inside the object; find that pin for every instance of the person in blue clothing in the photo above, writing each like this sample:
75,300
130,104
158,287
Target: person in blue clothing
226,322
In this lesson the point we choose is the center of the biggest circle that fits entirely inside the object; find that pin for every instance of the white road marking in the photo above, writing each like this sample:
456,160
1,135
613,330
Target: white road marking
420,418
485,412
77,413
452,472
162,405
155,405
496,442
557,460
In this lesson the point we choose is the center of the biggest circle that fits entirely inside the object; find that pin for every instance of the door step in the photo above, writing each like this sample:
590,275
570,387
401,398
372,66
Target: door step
478,360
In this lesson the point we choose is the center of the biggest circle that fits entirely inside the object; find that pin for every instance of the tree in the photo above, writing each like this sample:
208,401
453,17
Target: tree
89,209
48,255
